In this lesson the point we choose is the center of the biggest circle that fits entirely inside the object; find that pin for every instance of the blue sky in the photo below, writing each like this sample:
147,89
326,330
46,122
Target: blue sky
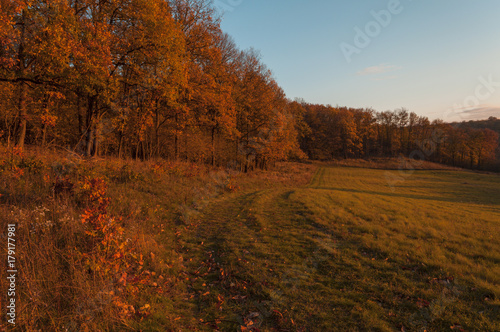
440,59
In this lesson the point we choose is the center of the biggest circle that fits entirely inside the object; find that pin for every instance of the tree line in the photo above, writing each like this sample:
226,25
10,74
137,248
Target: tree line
160,79
341,132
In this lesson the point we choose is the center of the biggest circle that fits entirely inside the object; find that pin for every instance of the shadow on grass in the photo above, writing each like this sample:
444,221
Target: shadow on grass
469,197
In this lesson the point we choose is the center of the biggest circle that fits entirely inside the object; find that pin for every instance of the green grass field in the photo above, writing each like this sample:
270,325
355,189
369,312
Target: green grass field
348,252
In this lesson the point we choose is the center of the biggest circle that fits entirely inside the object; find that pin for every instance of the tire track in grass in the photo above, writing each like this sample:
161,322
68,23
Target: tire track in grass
289,258
262,241
310,258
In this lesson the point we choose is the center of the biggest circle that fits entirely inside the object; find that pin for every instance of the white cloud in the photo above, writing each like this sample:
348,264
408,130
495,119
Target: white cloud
482,112
380,69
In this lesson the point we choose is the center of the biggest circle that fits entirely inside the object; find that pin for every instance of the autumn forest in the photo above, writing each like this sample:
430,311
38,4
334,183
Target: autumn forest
147,79
154,176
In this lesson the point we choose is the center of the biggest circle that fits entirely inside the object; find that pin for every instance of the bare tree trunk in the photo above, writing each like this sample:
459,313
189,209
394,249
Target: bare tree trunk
144,152
157,136
176,139
81,122
137,150
8,137
95,151
89,139
120,145
44,134
213,146
23,114
186,156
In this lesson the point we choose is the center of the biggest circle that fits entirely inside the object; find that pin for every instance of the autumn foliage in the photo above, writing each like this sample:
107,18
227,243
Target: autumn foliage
142,78
340,132
160,79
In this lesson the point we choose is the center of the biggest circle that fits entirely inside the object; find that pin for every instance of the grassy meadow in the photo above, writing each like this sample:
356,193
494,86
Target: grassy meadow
113,245
349,253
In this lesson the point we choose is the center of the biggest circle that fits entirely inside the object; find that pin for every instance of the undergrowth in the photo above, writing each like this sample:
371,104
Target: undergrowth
98,238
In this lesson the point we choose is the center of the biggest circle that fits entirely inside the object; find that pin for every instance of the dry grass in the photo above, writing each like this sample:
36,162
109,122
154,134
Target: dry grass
350,252
206,248
60,287
401,163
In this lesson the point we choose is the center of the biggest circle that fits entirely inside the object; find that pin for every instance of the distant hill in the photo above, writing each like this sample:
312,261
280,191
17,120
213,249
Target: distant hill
492,123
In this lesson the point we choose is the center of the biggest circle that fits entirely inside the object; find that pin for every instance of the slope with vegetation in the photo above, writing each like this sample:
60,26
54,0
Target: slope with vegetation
110,245
99,240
